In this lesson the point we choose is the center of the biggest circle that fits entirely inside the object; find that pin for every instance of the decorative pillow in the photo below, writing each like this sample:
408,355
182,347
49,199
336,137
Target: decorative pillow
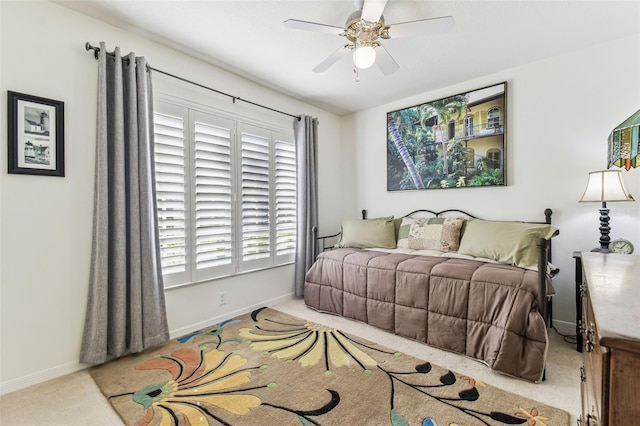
368,233
403,232
430,233
513,243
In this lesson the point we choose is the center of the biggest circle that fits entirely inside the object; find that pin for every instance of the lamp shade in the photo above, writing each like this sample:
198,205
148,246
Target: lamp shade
364,56
624,143
606,185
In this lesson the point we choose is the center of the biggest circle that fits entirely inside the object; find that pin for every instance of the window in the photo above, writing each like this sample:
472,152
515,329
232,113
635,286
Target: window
226,194
493,118
471,157
451,130
494,158
468,125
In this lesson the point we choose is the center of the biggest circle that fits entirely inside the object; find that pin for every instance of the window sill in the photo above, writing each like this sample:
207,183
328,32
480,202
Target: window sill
178,286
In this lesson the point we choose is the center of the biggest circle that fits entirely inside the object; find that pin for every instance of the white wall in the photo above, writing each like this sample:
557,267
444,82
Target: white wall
560,113
46,221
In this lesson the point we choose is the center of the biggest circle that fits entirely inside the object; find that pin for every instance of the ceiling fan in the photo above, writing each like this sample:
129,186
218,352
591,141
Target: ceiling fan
364,29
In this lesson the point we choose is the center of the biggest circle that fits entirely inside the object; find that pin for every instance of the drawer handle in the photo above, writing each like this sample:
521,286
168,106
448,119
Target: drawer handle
589,335
589,345
583,375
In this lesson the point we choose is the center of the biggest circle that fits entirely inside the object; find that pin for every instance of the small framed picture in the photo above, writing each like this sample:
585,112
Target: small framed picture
36,135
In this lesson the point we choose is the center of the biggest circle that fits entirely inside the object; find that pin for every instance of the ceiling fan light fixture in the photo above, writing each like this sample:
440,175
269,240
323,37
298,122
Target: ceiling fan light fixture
364,57
364,30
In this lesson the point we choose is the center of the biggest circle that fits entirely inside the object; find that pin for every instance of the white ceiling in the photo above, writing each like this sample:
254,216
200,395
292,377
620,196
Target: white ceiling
248,38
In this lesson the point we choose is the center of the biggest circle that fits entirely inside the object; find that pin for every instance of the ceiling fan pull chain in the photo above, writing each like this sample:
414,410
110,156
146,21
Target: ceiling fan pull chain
355,70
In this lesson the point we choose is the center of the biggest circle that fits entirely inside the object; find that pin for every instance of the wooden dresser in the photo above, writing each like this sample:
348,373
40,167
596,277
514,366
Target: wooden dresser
610,375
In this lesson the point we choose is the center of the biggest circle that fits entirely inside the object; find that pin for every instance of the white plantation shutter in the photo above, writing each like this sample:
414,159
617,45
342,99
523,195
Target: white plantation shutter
285,194
255,197
226,193
213,194
170,162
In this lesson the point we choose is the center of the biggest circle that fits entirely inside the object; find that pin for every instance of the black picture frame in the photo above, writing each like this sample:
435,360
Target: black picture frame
35,135
468,149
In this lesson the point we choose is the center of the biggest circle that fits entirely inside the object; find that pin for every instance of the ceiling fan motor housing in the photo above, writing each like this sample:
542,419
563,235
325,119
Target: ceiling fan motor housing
360,32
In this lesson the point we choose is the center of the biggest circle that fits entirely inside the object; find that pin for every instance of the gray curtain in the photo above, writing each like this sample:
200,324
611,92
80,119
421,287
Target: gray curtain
126,308
306,136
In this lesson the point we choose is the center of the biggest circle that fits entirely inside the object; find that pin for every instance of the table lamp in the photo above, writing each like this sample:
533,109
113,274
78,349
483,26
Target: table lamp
604,186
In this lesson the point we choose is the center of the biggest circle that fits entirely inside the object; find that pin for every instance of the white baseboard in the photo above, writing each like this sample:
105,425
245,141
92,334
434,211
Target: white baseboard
564,327
71,367
40,376
219,318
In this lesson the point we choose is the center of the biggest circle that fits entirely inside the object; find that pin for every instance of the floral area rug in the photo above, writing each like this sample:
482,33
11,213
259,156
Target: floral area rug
270,368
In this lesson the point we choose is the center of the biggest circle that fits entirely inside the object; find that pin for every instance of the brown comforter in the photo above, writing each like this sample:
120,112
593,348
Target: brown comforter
481,310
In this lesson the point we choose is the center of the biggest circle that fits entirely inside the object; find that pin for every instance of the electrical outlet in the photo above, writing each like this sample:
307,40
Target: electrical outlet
222,298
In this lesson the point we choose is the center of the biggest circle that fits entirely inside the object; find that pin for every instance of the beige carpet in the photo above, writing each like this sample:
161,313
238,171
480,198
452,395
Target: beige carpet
269,367
74,399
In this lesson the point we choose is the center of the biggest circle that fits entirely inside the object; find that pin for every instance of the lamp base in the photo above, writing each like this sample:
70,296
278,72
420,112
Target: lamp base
604,230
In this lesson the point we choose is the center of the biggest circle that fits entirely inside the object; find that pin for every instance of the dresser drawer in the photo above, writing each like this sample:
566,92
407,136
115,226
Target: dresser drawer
595,367
595,406
584,397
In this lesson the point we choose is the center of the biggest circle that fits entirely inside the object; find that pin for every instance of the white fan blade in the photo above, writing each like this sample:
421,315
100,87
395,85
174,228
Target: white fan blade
372,10
331,59
312,26
422,27
385,62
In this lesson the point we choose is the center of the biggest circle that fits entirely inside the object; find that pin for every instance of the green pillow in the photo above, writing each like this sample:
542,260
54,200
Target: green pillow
513,243
368,233
396,225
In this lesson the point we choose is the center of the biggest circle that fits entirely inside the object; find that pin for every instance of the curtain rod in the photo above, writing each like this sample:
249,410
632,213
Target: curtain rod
96,50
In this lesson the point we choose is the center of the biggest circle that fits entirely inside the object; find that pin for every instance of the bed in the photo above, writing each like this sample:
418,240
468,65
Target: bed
476,287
